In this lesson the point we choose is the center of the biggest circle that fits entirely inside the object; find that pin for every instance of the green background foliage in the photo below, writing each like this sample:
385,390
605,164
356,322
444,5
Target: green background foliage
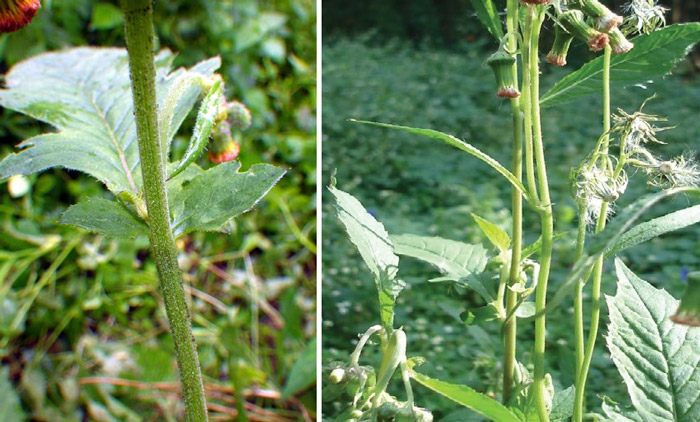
74,305
417,185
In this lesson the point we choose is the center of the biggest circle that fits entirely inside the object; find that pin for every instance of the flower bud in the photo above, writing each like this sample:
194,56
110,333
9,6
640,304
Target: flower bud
238,115
501,63
605,18
337,375
574,22
688,312
15,14
223,147
618,42
562,41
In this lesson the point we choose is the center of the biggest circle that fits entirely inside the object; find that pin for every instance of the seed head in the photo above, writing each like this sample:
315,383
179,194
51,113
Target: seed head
637,129
15,14
681,171
644,16
596,186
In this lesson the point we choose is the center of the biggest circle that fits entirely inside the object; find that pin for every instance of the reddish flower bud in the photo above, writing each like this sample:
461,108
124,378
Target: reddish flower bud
574,22
562,41
223,147
501,62
688,312
605,18
15,14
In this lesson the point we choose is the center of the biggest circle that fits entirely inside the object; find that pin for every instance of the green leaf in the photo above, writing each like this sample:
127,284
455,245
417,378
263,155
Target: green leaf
375,247
202,128
608,237
106,16
213,197
457,143
460,262
563,405
85,93
488,15
106,217
498,237
654,228
615,414
657,359
303,373
10,408
469,398
653,55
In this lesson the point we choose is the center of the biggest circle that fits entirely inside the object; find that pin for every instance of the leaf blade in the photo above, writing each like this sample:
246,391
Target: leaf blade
457,143
652,354
468,398
488,15
654,55
105,217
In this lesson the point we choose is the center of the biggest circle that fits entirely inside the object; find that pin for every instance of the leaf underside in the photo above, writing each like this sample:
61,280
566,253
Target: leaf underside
106,217
375,247
658,359
85,93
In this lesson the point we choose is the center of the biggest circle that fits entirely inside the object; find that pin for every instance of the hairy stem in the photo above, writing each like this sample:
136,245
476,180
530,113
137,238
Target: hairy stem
546,216
582,375
510,326
138,23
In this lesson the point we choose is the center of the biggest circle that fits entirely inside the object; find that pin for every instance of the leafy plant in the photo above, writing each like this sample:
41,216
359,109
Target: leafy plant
119,130
507,281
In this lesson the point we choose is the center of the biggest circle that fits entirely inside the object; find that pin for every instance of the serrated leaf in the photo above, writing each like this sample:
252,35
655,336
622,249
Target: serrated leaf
303,372
212,197
468,397
563,405
105,217
457,143
498,237
375,247
85,93
460,262
653,55
657,359
202,128
615,414
488,15
10,408
608,237
654,228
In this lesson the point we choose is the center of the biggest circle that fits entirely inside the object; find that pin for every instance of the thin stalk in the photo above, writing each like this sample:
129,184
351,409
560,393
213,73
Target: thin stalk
578,294
582,375
138,24
525,110
510,328
546,216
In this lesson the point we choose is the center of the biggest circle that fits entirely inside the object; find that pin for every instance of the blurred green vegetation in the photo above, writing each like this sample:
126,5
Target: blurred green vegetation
83,334
416,185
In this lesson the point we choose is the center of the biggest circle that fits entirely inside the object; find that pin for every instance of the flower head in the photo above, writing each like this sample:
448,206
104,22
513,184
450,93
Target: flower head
681,171
560,48
618,42
637,129
595,186
223,147
501,63
15,14
574,21
644,16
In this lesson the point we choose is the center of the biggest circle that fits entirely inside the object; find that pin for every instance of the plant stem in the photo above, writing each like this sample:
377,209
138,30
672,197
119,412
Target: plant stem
138,23
510,327
578,294
527,114
598,266
546,216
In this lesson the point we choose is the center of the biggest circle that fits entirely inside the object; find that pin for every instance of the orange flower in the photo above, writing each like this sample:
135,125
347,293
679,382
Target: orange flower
15,14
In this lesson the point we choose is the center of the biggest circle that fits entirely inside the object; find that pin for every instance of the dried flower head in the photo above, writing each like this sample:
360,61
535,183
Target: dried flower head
15,14
637,129
643,16
681,171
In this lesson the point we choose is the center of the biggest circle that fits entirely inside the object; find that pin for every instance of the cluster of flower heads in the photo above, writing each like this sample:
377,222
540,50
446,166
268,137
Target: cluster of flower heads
600,180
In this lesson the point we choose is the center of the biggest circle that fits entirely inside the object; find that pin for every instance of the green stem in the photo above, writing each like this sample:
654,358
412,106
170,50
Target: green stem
598,266
527,115
138,23
510,326
546,216
578,294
